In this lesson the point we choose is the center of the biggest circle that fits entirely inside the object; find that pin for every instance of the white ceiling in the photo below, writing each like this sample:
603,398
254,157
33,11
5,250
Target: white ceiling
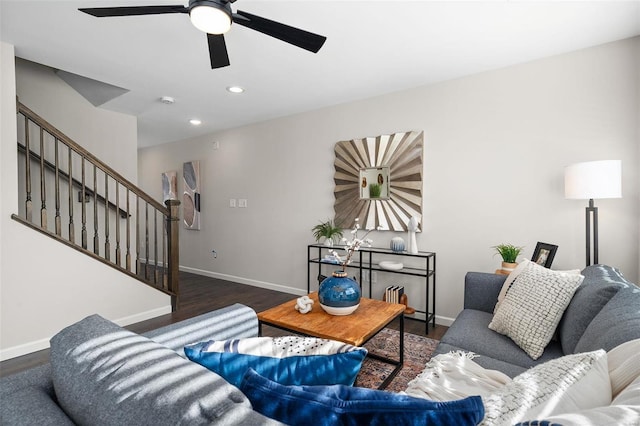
372,48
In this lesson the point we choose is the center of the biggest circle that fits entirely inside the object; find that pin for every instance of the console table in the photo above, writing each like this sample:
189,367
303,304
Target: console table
367,259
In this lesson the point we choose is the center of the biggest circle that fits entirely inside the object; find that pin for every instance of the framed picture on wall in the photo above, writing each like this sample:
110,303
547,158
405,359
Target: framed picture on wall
169,185
191,195
543,254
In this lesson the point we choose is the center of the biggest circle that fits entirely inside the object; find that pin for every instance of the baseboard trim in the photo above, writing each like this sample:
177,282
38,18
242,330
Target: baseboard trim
242,280
143,316
24,349
41,344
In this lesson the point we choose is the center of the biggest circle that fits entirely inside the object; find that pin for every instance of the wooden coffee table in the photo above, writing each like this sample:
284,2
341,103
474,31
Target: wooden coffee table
355,329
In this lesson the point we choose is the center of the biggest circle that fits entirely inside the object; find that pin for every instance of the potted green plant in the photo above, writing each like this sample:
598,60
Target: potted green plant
328,231
375,190
509,254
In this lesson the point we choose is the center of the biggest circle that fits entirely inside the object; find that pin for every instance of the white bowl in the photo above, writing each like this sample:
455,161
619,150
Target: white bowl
391,266
339,311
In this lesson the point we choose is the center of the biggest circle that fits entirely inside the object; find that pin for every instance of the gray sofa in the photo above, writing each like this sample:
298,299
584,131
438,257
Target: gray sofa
102,374
603,313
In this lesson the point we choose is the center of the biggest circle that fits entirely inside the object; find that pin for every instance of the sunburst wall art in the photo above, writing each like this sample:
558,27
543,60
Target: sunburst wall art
379,181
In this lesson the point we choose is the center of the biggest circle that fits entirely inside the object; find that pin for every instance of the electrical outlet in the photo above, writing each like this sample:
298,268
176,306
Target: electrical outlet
242,202
374,276
365,276
232,202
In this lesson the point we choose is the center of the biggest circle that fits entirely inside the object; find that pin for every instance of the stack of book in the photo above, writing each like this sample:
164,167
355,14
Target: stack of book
393,293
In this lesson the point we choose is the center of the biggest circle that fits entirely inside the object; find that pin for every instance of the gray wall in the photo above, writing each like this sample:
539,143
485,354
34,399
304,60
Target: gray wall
496,145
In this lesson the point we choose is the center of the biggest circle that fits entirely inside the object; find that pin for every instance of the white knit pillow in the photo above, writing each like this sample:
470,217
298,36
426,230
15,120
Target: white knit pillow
533,306
563,385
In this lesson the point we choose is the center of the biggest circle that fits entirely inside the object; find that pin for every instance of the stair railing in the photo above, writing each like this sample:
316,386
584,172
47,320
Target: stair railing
119,225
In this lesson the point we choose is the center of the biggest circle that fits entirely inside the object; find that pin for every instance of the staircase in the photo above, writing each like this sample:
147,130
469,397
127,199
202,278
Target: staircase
86,205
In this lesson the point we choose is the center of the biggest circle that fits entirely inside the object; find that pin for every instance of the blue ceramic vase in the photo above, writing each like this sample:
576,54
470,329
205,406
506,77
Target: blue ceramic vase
339,294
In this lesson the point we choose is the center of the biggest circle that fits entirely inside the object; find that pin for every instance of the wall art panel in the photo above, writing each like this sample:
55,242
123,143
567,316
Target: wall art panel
191,195
379,181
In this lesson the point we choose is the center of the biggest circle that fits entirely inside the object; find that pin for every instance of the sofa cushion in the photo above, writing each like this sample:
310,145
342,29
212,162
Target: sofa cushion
288,360
600,284
485,361
533,306
471,332
31,406
616,323
103,374
345,405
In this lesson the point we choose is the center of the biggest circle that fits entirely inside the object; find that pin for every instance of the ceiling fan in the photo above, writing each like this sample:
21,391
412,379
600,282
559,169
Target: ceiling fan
215,17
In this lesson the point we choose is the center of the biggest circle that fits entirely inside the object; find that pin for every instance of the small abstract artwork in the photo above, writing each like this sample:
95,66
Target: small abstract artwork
191,195
169,185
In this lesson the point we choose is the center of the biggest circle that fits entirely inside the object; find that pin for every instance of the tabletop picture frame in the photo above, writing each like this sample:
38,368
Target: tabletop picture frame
543,254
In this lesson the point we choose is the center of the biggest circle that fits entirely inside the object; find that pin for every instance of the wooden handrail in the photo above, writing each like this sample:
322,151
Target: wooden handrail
159,267
35,118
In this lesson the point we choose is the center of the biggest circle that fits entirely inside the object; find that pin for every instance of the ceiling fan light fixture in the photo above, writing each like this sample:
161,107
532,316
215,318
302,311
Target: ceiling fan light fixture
210,17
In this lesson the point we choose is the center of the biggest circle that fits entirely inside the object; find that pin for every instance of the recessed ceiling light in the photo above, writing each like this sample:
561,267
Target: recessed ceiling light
167,100
195,122
235,89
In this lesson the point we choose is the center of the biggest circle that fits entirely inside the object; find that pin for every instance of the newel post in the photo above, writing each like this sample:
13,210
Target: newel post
173,249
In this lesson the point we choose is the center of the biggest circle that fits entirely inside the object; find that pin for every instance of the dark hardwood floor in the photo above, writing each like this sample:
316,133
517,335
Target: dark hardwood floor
200,294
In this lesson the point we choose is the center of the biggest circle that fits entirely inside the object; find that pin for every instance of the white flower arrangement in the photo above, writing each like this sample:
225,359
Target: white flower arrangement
353,245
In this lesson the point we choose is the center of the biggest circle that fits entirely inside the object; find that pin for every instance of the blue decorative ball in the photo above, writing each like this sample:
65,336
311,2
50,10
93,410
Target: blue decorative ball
397,244
339,294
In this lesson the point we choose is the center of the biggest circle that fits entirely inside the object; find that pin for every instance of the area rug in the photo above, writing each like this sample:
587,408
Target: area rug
417,352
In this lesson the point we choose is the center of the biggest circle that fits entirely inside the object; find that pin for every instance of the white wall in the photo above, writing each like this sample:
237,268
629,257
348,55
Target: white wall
44,285
110,136
496,145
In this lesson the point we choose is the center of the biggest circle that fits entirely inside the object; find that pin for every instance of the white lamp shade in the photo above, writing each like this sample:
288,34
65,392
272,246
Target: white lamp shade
210,19
593,180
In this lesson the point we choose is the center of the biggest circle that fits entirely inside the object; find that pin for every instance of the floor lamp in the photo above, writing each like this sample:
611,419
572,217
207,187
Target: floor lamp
590,180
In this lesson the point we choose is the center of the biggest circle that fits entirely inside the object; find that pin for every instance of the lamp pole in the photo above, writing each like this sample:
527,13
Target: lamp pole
592,222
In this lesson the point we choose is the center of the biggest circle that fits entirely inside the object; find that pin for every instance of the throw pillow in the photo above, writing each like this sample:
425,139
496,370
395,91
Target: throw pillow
563,385
533,306
514,274
510,278
345,405
290,360
617,322
623,411
624,365
600,284
105,375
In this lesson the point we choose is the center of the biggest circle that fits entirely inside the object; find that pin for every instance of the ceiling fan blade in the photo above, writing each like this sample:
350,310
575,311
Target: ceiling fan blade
218,51
304,39
103,12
